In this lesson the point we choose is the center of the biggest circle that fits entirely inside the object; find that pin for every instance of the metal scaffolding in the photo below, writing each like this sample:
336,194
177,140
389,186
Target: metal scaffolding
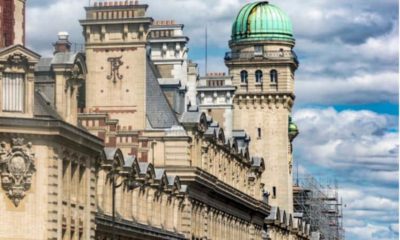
319,205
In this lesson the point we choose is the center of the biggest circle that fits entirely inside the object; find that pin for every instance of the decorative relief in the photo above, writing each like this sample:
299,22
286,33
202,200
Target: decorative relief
16,169
17,59
115,64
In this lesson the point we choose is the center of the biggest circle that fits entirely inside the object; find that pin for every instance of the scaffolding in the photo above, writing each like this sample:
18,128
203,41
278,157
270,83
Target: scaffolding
319,205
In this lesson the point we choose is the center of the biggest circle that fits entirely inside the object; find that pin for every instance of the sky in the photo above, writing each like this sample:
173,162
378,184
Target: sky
346,88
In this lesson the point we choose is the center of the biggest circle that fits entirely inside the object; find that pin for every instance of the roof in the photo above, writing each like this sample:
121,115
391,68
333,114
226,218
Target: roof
44,65
64,58
43,108
159,112
262,21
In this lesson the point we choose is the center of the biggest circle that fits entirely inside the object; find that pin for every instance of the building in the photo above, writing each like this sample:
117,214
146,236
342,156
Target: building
126,141
12,22
215,92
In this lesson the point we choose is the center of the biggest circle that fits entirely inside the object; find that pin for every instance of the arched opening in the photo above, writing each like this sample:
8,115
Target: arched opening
274,76
259,76
244,77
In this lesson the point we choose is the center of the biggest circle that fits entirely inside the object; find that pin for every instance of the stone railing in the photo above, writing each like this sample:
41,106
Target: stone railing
269,55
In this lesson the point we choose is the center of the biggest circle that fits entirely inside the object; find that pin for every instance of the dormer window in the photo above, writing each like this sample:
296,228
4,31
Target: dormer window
259,76
13,91
258,50
244,77
274,76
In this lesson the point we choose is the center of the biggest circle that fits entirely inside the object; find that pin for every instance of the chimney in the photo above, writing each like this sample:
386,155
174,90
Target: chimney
62,44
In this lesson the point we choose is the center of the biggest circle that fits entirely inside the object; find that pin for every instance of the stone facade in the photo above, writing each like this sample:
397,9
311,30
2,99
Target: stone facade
101,144
215,93
12,22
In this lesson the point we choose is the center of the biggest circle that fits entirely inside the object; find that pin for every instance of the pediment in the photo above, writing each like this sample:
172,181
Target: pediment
18,53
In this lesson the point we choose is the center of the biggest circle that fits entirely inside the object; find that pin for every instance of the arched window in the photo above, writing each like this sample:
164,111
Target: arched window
244,76
259,76
274,76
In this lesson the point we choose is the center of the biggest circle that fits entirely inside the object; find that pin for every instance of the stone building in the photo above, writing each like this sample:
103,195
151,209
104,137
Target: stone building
113,143
12,22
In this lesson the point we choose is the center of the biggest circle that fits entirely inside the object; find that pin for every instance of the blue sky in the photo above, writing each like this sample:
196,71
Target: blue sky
346,88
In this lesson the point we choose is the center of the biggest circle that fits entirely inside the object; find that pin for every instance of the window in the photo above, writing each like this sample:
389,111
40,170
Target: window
274,76
273,192
13,91
259,76
258,50
259,132
243,77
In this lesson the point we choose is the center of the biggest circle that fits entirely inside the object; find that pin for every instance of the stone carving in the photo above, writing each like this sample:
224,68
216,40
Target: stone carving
115,63
17,59
16,169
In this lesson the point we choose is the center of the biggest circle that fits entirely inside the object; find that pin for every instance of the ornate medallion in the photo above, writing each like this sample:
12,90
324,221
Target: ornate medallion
16,169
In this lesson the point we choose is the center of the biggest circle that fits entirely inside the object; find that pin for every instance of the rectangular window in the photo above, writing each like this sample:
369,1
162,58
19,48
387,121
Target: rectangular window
258,50
259,133
13,91
273,192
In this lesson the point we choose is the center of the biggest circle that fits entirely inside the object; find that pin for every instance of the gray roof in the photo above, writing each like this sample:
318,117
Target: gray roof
43,108
64,58
159,112
169,81
143,166
44,65
256,161
239,134
110,152
129,160
273,214
190,117
159,173
171,180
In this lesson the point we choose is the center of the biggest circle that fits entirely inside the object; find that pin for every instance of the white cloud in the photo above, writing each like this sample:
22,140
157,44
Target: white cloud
348,138
361,149
370,232
361,70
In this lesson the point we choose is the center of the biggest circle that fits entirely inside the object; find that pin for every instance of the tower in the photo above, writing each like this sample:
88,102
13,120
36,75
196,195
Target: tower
12,22
116,56
262,65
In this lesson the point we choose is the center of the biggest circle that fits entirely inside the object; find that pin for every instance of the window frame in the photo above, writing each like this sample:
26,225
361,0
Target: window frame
244,80
259,79
273,75
13,95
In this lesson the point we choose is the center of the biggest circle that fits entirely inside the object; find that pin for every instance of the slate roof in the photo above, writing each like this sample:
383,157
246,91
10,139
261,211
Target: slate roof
44,65
64,58
159,113
190,117
43,108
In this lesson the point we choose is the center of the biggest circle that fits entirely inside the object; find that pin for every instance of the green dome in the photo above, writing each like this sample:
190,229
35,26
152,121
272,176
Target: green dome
293,129
262,21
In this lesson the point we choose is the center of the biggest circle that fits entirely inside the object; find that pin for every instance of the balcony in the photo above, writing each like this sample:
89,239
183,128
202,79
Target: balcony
268,55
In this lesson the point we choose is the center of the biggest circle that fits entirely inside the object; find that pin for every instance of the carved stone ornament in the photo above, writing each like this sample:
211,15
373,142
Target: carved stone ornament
17,59
16,169
115,64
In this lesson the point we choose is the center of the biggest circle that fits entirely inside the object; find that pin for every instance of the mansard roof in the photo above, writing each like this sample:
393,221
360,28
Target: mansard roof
42,107
159,112
142,171
281,219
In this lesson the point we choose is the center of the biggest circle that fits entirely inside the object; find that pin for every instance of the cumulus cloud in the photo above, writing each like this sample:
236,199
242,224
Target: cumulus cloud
347,138
348,52
348,49
360,148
